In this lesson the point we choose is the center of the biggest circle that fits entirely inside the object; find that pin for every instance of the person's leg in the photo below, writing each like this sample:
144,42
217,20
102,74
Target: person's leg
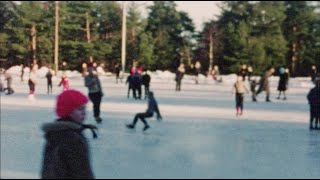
284,94
146,91
241,104
139,92
48,87
96,100
311,119
134,92
177,86
129,89
140,116
279,94
268,95
259,90
254,95
237,104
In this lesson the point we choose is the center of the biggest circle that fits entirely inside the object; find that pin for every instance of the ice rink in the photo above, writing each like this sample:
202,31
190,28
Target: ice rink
199,137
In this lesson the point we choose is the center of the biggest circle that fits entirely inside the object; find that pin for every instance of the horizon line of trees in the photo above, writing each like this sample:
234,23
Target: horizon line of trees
260,34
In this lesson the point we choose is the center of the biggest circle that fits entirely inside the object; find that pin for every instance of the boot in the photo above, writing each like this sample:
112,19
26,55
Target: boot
130,126
146,127
98,119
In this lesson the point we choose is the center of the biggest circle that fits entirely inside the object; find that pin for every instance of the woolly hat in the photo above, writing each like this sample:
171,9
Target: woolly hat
68,101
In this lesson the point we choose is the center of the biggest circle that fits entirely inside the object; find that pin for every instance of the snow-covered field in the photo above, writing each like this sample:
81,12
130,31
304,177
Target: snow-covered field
199,137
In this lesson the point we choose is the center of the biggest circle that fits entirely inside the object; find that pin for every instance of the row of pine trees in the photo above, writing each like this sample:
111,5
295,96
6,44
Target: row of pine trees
259,33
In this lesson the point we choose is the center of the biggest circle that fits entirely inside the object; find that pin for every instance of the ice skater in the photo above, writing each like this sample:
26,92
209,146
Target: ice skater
64,82
239,89
32,84
49,80
283,83
314,101
152,107
93,84
264,83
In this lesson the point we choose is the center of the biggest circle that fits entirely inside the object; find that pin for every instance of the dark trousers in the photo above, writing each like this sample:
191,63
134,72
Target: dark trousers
49,86
142,117
96,100
239,101
146,91
178,85
32,86
314,117
135,89
267,92
129,89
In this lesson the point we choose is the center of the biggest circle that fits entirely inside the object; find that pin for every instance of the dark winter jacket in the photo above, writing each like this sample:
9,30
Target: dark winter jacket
93,84
49,76
283,82
146,80
314,101
153,106
179,76
136,81
66,153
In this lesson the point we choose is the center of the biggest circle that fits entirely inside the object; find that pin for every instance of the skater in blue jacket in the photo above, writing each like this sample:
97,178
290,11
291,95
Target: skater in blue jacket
152,107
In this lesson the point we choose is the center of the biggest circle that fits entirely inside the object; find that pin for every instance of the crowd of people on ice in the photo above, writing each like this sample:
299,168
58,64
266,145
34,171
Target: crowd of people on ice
139,78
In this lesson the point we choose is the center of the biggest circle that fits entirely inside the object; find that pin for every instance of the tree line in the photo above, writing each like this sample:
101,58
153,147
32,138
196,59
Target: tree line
261,34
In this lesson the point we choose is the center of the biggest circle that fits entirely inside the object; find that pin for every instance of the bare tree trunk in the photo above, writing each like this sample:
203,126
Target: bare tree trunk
294,57
124,33
33,43
88,33
56,37
210,50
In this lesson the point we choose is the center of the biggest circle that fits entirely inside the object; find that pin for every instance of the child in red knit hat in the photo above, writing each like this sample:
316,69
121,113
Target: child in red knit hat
66,153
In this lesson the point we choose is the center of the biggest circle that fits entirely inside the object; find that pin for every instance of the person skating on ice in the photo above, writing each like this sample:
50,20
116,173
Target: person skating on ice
93,84
239,89
152,107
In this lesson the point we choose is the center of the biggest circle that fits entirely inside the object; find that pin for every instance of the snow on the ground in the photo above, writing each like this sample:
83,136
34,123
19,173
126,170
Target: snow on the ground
199,137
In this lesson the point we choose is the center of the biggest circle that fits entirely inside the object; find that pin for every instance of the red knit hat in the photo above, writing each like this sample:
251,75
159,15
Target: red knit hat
68,101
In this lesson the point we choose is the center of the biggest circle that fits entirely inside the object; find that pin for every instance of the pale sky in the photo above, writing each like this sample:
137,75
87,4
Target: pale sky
199,11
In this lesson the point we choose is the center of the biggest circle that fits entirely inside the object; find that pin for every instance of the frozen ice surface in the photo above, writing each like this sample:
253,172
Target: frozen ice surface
199,137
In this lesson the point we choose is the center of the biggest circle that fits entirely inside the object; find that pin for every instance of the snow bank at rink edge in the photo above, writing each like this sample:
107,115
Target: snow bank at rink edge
299,82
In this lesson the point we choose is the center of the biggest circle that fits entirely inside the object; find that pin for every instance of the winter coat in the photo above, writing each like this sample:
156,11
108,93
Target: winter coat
264,82
66,153
283,82
93,84
146,80
314,101
153,106
49,76
136,80
65,83
240,87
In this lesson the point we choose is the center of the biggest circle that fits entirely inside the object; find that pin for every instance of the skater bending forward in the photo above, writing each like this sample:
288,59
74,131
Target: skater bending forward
152,107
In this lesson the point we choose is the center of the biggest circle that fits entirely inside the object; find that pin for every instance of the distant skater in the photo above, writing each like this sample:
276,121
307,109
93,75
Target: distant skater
152,107
239,89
